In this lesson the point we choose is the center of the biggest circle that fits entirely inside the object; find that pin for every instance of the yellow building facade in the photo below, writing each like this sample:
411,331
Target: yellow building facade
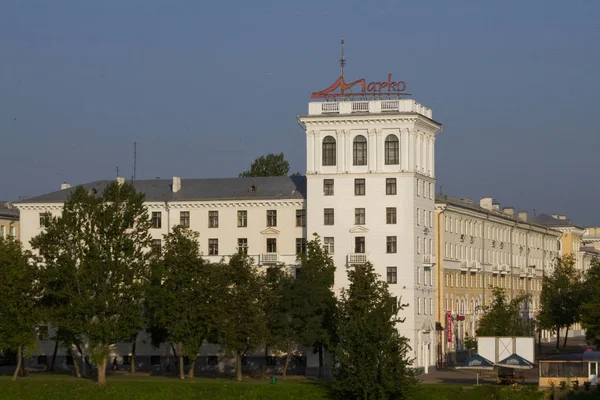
9,220
478,247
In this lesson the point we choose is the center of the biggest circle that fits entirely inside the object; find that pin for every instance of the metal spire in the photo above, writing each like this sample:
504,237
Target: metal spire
342,60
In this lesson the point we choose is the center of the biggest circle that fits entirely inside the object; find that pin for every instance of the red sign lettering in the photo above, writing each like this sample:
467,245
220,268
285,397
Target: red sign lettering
449,326
372,88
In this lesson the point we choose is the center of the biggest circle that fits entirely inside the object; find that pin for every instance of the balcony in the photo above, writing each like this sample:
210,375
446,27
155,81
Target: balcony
368,106
474,266
464,265
269,259
496,269
504,269
428,260
523,272
357,259
531,272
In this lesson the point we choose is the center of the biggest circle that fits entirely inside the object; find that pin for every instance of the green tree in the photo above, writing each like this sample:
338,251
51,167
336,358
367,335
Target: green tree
277,308
313,301
179,298
241,323
561,298
269,165
503,317
18,297
590,311
372,355
95,265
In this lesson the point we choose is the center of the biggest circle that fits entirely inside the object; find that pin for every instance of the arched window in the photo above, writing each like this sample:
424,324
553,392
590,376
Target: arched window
360,150
328,150
392,150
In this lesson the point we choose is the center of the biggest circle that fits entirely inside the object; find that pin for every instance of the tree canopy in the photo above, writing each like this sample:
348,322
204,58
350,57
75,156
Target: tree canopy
503,317
590,312
373,357
269,165
95,266
18,298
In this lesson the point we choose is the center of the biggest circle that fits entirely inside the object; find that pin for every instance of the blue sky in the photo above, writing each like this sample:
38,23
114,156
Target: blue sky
205,87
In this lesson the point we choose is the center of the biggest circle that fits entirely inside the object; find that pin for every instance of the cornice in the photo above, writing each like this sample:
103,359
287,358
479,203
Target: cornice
41,207
237,204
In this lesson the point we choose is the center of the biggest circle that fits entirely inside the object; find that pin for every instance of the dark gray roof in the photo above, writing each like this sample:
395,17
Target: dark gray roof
8,211
267,188
550,221
470,204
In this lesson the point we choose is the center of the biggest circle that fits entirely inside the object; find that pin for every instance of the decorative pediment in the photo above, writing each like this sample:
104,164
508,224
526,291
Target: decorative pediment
270,231
359,229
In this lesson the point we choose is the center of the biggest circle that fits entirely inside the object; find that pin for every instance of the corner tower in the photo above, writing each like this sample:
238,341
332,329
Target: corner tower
371,192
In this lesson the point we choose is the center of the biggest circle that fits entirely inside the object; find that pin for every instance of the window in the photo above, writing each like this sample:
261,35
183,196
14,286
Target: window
394,305
359,150
328,150
69,360
156,219
359,187
271,361
359,244
42,360
155,360
243,246
212,360
390,244
418,245
184,218
242,219
328,244
418,216
359,216
213,247
392,150
42,332
390,215
301,217
390,186
419,275
156,246
271,245
213,219
392,275
328,187
328,216
430,219
418,188
44,217
300,246
2,231
271,217
418,305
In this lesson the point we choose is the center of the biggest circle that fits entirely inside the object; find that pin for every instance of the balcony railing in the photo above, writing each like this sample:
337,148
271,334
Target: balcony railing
464,265
269,258
357,258
523,273
474,266
428,260
504,269
496,269
360,106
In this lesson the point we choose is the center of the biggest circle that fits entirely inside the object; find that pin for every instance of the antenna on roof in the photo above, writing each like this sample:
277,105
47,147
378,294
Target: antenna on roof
134,159
342,60
118,171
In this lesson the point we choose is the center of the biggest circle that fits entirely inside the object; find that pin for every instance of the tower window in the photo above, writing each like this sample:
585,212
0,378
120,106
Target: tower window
359,187
328,187
390,186
392,150
359,216
359,148
329,150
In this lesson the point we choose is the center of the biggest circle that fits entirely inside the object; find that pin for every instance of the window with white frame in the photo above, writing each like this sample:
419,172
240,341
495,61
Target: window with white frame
328,244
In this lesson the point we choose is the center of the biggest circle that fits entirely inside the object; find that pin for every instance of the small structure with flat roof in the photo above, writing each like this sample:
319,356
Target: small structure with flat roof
569,367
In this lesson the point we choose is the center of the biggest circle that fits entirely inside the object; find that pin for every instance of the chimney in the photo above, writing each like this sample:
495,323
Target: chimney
496,206
176,184
508,210
522,215
555,216
64,186
562,217
120,180
486,203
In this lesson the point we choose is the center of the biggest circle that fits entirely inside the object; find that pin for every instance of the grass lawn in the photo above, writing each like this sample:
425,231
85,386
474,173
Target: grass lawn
62,387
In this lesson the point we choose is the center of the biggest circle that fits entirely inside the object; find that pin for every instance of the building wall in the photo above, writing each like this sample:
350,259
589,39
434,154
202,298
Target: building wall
480,249
9,227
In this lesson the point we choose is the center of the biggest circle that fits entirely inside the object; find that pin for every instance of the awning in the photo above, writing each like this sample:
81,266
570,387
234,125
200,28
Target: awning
476,362
515,361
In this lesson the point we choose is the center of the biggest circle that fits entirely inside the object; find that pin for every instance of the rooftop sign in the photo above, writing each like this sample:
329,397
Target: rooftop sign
388,87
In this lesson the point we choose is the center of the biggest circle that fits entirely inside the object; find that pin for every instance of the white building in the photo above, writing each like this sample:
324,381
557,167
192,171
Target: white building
368,192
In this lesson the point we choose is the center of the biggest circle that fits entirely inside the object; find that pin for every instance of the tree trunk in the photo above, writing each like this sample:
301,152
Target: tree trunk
54,356
19,362
238,365
75,362
88,366
264,366
566,336
192,367
102,371
557,337
287,363
181,369
320,360
132,362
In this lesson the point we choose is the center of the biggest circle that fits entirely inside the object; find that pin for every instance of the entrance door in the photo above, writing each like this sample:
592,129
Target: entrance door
593,372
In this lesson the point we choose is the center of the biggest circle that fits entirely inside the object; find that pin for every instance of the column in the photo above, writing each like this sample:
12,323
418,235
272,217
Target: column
348,150
317,151
310,156
411,150
371,144
404,150
341,143
379,150
432,150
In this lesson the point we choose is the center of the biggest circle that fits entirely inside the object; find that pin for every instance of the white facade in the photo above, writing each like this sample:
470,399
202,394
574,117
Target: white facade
364,136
